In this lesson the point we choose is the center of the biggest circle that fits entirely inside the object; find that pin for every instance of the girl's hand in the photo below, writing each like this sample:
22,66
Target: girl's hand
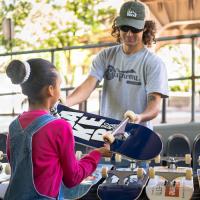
105,151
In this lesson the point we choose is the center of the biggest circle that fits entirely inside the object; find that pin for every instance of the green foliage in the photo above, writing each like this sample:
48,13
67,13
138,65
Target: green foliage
175,88
178,88
18,12
59,23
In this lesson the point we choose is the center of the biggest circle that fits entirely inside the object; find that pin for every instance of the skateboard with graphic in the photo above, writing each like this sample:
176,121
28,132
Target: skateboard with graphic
133,141
86,185
123,183
171,182
3,138
4,175
196,157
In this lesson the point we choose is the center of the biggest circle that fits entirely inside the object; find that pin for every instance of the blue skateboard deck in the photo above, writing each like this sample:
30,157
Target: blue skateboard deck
122,184
141,144
84,187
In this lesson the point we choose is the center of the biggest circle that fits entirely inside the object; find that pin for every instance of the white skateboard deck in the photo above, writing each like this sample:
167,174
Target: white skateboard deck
4,181
181,189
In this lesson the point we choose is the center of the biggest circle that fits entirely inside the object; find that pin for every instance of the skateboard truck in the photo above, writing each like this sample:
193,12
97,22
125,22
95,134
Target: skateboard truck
172,163
172,171
122,175
120,130
54,111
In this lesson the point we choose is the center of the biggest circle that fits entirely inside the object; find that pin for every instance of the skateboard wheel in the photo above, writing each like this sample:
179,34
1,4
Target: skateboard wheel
1,155
151,172
188,174
104,172
140,172
131,115
188,159
78,154
7,169
157,159
108,137
118,157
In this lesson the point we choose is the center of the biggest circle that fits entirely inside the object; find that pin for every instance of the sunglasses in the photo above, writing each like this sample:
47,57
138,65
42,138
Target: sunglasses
130,28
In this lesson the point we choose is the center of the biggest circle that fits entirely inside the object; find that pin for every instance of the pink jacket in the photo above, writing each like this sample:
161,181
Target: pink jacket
53,155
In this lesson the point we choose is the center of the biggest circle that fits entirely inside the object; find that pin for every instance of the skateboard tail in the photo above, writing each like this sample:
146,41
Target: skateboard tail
140,148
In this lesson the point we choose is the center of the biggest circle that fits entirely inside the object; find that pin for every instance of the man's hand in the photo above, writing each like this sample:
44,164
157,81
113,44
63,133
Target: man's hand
151,111
138,119
133,118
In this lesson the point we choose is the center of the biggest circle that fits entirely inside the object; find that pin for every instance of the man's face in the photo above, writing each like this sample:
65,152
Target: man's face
130,36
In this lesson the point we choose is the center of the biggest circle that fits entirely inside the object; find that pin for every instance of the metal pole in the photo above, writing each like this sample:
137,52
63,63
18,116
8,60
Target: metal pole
193,82
52,56
163,111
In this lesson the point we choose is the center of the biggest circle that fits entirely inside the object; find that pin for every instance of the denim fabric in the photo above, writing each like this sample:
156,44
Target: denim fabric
21,186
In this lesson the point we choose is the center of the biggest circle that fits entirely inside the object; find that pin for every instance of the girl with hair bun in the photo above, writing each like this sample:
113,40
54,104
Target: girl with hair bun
40,147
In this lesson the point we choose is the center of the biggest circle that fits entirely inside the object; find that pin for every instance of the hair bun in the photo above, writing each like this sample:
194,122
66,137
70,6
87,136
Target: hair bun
18,71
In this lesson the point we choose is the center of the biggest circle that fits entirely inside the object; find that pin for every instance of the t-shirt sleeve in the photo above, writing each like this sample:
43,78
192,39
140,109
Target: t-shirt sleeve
156,77
74,171
98,66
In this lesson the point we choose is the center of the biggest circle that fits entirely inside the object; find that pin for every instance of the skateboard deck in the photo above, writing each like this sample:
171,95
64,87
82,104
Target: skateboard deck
170,184
121,184
196,155
4,180
3,138
178,145
198,176
84,187
141,144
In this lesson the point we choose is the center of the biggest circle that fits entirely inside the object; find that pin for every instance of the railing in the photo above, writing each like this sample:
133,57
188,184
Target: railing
83,106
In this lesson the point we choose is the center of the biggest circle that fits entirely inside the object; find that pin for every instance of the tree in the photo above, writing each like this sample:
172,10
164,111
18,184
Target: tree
18,12
86,21
43,24
179,65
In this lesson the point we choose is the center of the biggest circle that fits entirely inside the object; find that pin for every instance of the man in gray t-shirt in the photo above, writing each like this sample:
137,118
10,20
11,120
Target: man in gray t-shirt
134,77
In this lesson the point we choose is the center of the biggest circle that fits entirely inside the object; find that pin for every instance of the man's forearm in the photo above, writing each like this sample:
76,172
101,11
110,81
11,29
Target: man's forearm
82,92
76,97
152,109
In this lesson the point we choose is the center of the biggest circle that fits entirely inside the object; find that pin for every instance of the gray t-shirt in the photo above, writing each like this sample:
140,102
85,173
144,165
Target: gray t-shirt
128,79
